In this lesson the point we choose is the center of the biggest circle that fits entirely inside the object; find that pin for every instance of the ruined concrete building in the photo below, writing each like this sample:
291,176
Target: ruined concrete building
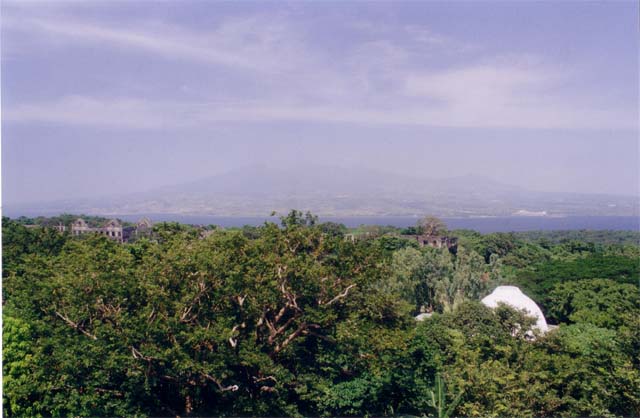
112,229
142,229
60,227
144,225
437,241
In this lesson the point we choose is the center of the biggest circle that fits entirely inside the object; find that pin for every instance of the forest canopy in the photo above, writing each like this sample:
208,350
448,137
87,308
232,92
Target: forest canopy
301,318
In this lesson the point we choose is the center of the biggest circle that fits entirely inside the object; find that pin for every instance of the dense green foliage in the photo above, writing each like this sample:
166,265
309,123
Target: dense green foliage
64,219
600,302
302,319
435,280
539,280
586,236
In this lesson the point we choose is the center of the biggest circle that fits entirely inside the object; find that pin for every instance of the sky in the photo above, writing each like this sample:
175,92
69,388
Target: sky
104,98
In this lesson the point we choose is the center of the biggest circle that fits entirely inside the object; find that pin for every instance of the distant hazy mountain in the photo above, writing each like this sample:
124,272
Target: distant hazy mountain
345,191
262,180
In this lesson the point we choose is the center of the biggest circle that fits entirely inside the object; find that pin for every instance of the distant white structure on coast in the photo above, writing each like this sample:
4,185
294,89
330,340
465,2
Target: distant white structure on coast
524,212
513,296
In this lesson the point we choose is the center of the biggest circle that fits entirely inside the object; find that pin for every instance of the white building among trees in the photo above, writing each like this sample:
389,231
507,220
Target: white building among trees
513,296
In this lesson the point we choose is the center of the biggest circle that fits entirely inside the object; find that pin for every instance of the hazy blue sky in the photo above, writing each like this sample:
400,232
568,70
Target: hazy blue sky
101,98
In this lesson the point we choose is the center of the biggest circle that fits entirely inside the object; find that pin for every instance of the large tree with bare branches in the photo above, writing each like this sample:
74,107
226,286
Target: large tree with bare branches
430,225
222,325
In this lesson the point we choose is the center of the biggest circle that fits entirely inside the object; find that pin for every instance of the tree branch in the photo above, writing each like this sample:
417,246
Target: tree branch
262,379
152,315
280,314
138,355
202,289
76,326
340,296
275,332
322,337
293,336
221,387
233,341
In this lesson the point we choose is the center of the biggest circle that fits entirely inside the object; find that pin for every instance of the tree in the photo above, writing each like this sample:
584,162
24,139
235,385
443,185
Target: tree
292,319
224,325
601,302
435,280
499,243
18,366
479,350
431,225
444,407
538,280
333,228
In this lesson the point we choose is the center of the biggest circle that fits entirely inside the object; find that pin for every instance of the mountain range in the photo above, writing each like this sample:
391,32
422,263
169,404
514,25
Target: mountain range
342,191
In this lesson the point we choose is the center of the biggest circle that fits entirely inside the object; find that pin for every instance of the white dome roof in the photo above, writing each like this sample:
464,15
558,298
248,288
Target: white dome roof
513,296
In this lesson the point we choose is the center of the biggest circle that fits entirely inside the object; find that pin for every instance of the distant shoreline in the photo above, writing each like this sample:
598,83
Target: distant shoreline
483,224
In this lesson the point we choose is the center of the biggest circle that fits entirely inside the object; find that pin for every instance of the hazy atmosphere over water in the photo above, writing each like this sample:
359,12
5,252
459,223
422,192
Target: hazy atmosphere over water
108,98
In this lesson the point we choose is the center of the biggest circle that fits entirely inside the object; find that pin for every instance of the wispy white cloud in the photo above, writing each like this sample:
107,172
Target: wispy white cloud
88,111
388,78
415,36
244,43
141,114
480,83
